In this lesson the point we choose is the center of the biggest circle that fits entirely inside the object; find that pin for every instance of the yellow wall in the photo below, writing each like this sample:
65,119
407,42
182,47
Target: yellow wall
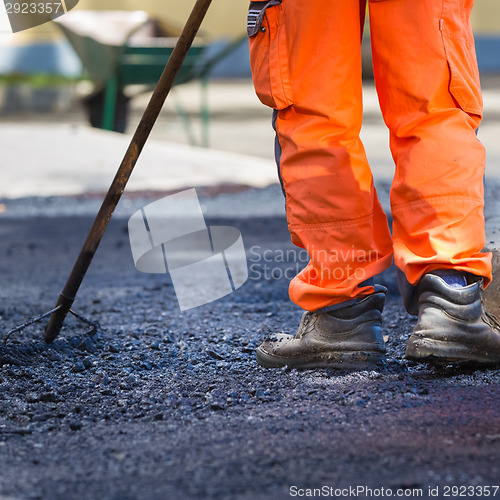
485,17
224,18
228,17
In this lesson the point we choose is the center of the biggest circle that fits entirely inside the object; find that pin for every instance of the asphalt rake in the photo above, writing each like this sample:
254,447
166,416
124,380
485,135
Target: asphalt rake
101,221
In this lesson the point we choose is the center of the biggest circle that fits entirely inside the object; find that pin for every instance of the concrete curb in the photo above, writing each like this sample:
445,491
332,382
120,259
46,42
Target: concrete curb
492,292
492,210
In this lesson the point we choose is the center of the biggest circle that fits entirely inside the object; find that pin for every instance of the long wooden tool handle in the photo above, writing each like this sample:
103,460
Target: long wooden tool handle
117,187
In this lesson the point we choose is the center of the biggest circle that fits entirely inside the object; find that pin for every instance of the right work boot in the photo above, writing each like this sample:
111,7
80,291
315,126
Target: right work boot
347,338
453,325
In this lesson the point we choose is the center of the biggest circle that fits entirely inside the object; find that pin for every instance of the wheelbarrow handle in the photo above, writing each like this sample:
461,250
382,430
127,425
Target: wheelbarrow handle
127,165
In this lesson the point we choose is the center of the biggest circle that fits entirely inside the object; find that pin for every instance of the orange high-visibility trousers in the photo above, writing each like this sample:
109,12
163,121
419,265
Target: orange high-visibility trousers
306,64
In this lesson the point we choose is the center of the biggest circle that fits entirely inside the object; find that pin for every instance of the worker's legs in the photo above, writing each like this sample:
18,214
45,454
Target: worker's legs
306,63
428,86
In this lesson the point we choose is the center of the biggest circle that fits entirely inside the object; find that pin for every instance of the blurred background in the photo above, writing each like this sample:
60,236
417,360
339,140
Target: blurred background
96,66
63,69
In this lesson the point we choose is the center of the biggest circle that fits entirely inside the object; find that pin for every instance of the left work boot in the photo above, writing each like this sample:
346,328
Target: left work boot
346,338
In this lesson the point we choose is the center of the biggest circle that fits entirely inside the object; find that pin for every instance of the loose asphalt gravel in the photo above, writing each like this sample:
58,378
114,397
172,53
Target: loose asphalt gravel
161,404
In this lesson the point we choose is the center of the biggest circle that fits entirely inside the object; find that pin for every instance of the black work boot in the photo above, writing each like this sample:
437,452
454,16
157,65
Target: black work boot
348,338
453,325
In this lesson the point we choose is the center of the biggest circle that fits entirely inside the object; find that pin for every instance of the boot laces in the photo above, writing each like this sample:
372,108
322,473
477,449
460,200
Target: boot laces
306,324
487,317
490,319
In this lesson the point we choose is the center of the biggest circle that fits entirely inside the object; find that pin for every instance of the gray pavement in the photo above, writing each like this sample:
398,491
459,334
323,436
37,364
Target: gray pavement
66,159
59,154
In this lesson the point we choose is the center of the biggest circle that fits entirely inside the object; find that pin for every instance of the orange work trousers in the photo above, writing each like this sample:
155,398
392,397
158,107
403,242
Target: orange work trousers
306,64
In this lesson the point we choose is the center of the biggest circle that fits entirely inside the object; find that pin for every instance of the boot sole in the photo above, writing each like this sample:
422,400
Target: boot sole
439,352
356,360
